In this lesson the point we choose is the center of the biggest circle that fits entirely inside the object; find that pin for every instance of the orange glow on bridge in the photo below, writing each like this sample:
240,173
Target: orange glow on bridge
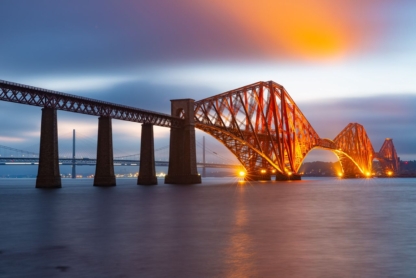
263,127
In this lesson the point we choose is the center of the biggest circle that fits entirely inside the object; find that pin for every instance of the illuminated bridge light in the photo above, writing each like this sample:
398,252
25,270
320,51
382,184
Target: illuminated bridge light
242,173
263,171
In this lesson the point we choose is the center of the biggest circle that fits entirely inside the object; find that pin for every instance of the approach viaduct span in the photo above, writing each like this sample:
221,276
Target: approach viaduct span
259,123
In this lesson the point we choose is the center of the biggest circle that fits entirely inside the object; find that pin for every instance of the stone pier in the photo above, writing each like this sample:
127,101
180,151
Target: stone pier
147,171
48,170
104,171
182,151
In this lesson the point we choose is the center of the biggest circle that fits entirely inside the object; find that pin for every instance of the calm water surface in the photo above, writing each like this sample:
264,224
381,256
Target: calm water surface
311,228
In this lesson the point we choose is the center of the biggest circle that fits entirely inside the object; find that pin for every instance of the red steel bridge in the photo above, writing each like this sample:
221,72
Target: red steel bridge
265,129
259,123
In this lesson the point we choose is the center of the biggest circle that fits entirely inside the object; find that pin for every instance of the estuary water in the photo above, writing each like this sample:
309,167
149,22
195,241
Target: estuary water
317,227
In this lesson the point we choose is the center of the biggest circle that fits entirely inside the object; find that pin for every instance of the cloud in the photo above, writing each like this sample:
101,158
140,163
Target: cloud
77,83
150,95
77,37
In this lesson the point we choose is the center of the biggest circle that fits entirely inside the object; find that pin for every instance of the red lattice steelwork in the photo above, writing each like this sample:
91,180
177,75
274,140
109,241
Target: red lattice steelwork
388,157
263,127
354,149
260,124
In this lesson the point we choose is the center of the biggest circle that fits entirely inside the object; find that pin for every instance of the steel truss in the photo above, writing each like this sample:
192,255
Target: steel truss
388,157
263,127
354,149
260,124
17,93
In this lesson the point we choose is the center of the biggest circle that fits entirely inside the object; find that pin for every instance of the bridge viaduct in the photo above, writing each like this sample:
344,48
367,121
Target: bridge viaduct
182,158
259,123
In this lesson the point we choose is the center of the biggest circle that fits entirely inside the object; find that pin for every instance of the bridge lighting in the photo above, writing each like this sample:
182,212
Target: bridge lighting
263,171
289,173
273,171
390,173
368,174
242,173
340,174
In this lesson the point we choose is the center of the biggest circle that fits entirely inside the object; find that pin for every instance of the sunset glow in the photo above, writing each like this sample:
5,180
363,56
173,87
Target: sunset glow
302,29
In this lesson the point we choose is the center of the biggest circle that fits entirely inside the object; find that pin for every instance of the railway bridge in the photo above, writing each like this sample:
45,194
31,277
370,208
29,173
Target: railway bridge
259,123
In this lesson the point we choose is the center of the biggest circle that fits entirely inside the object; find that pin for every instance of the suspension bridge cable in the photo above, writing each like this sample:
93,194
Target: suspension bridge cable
17,150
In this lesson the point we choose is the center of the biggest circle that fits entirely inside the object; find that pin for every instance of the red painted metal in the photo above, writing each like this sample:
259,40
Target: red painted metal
261,125
264,128
354,149
388,157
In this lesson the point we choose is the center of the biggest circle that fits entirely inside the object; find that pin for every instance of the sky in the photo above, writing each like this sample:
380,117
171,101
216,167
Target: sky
341,61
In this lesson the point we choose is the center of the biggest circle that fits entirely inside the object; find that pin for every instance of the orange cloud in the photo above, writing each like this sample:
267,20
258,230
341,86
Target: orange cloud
307,29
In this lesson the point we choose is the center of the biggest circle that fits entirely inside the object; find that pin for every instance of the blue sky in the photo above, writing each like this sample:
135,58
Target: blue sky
341,61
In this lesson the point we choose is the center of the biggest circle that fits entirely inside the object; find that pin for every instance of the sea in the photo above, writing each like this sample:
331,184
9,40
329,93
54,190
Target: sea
224,227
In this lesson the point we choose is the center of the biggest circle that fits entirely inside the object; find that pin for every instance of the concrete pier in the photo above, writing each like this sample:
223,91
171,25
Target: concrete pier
104,171
147,171
48,170
182,151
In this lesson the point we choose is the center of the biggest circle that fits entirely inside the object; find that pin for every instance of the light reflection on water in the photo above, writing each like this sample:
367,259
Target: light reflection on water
240,257
222,228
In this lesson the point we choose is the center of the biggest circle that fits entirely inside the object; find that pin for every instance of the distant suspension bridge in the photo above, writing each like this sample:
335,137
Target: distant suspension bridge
13,156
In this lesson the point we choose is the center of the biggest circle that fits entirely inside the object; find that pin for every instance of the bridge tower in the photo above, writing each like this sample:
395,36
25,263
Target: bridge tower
74,172
388,158
182,151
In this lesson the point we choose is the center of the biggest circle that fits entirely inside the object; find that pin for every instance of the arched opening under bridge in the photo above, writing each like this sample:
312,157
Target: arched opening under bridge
321,162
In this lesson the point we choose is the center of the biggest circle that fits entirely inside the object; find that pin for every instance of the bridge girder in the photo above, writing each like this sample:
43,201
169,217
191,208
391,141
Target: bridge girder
23,94
260,124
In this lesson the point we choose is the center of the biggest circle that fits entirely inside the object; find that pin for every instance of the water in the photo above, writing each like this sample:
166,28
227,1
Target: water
312,228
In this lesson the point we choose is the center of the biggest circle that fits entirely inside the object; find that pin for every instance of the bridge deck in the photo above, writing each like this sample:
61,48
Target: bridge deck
23,94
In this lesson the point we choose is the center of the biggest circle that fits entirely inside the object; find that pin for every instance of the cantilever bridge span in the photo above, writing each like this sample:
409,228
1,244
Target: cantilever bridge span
264,128
259,123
